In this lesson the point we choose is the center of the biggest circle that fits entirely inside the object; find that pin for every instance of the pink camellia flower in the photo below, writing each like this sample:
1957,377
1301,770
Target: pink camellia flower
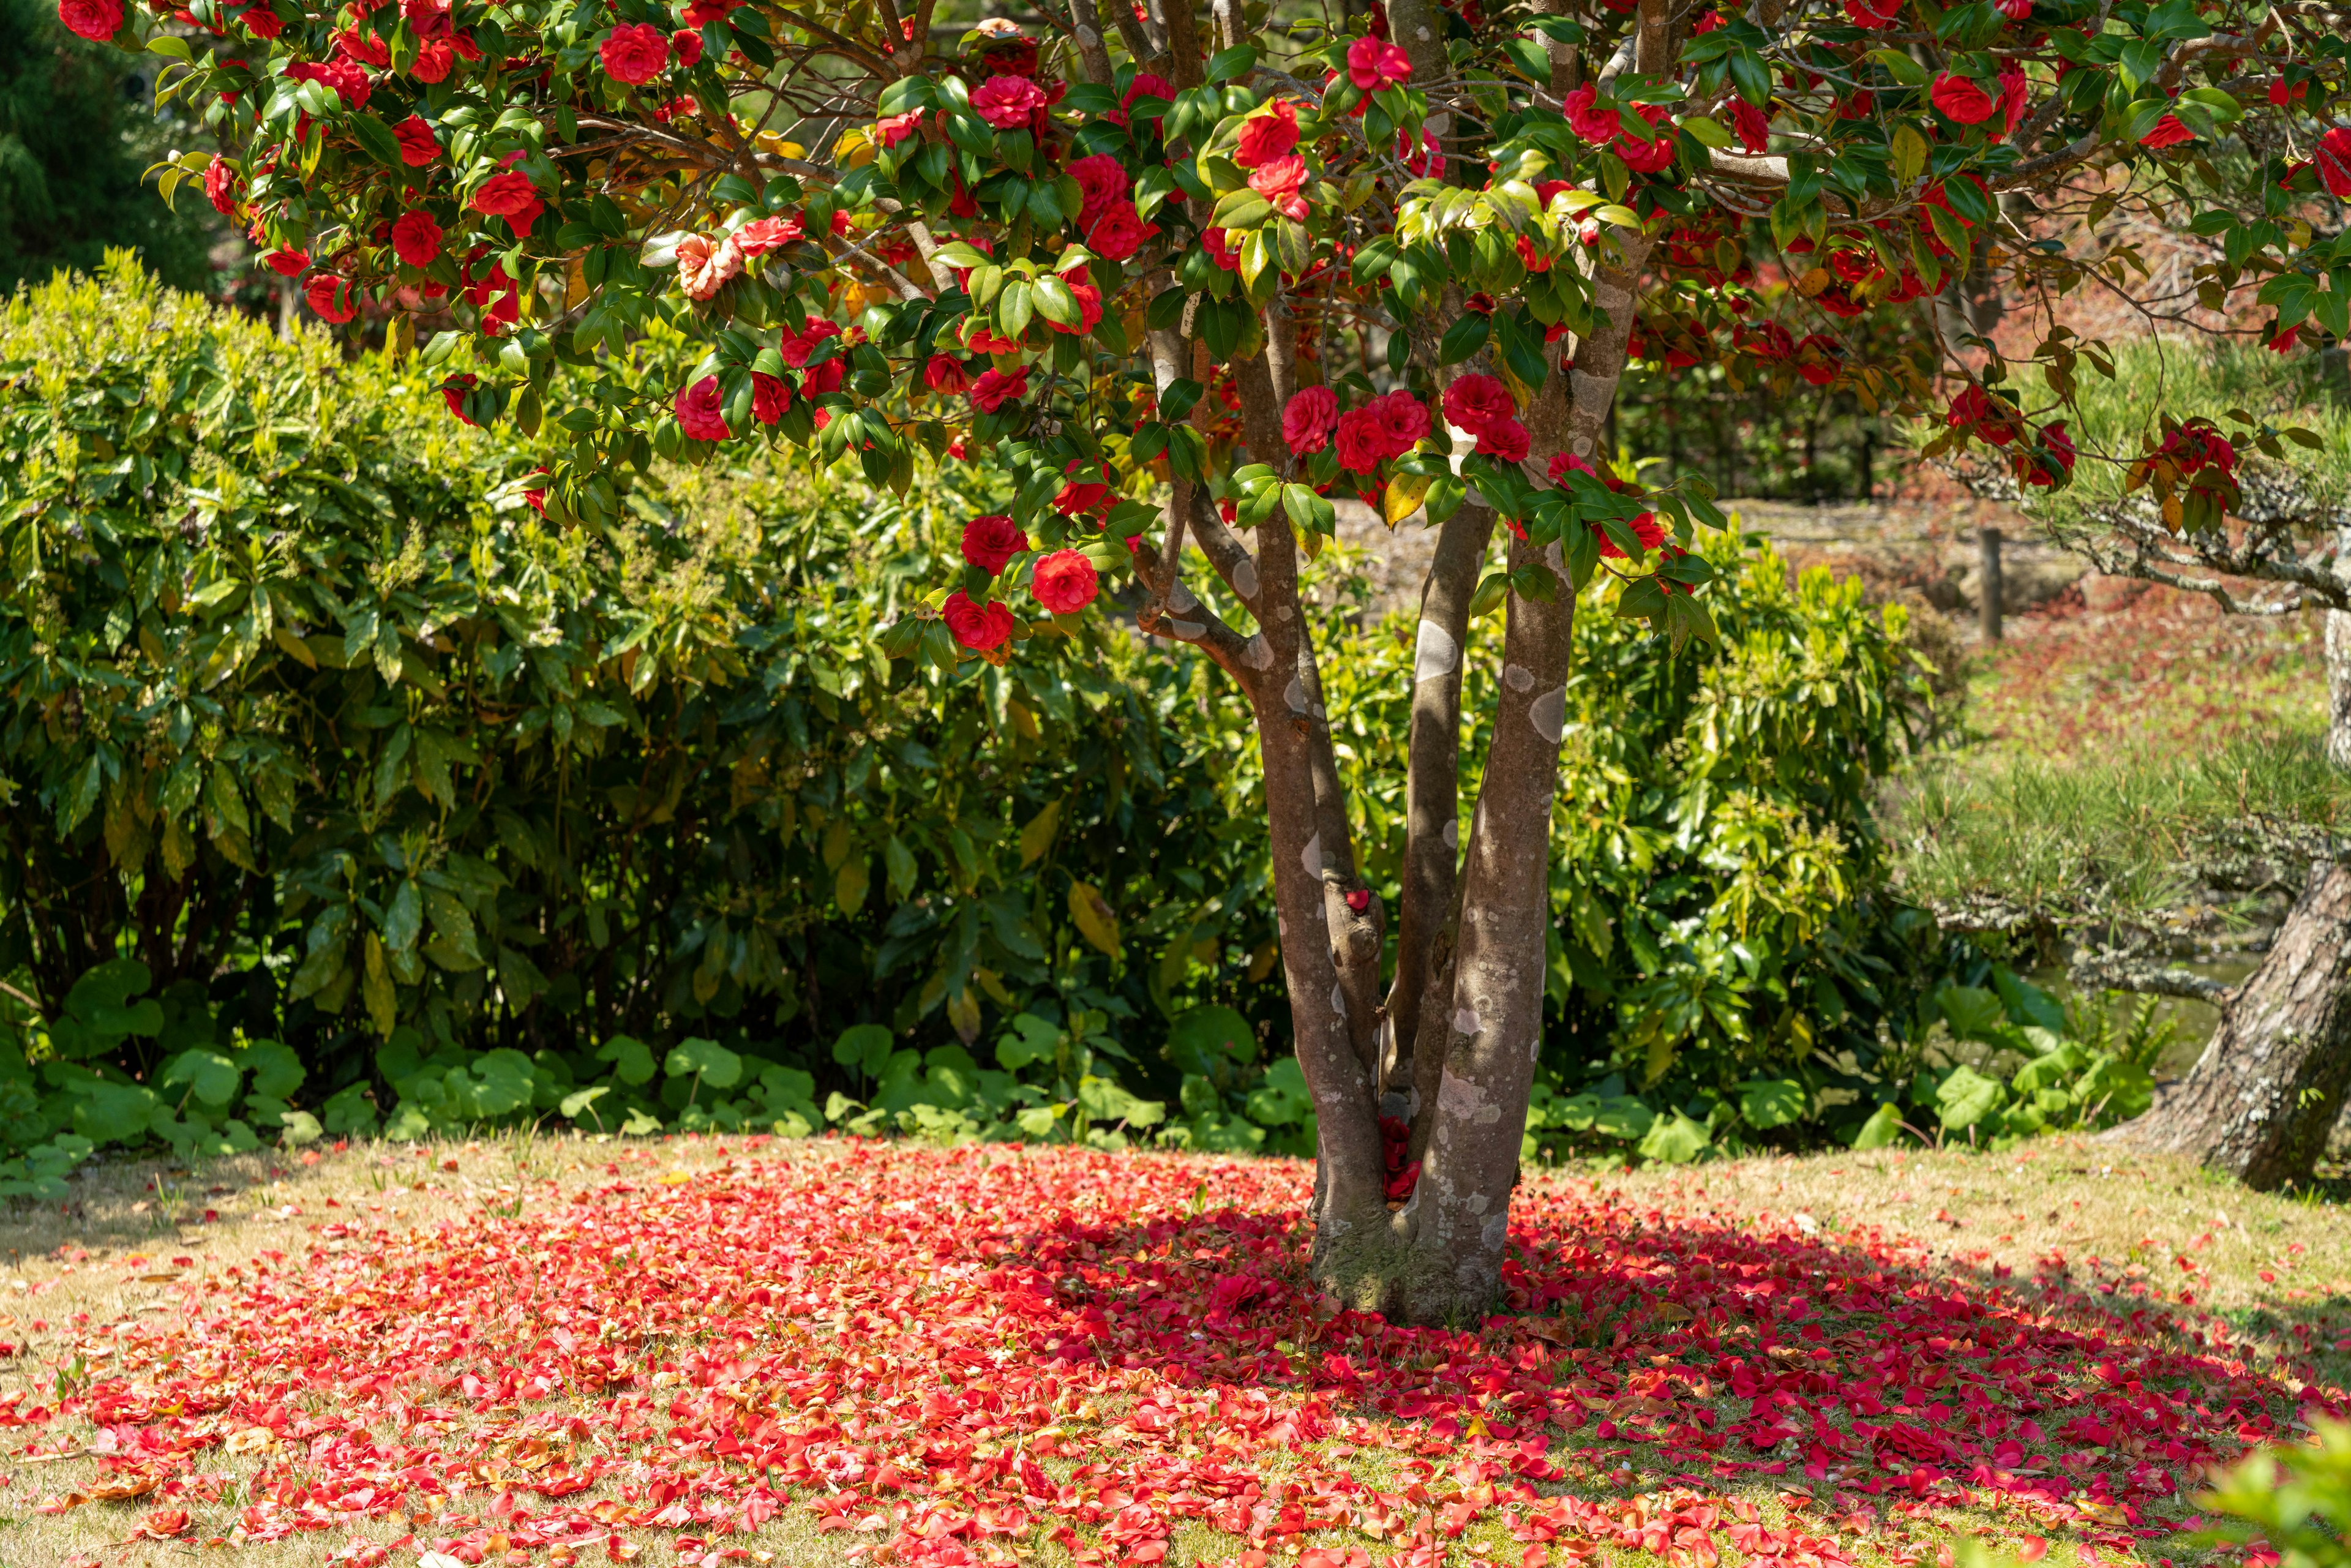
1064,582
416,238
1362,446
97,20
892,129
513,197
1006,102
1268,136
417,147
1566,462
1278,181
635,55
1309,418
705,262
761,235
1119,232
1403,421
1374,63
331,297
700,411
979,627
1962,99
1103,180
771,395
946,374
989,542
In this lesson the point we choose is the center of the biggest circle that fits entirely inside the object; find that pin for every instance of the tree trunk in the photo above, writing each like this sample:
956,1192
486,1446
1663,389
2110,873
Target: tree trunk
2260,1101
2338,687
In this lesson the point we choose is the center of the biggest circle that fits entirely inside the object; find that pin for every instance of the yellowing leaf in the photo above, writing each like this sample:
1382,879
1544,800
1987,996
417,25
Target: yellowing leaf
1095,921
1403,496
1038,836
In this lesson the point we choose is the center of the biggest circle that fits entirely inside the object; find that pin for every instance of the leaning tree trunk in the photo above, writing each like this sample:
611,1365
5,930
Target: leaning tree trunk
2261,1099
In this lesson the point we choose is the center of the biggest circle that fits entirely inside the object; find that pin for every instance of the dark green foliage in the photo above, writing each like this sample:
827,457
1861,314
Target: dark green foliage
77,127
307,711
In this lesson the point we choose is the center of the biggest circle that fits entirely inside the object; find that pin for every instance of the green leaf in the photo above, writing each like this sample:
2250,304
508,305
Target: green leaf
1972,1012
1967,1097
1768,1102
1884,1126
1675,1140
276,1071
706,1058
864,1046
376,137
1230,63
633,1063
1463,338
210,1076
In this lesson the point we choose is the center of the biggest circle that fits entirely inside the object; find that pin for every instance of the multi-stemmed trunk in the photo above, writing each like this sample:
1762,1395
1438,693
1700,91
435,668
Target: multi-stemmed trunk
1451,1040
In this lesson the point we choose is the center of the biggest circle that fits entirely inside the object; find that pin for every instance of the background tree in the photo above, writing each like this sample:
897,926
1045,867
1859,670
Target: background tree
1127,263
2233,484
75,132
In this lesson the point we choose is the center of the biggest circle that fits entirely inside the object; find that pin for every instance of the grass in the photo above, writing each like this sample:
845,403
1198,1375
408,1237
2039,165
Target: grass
846,1289
2117,764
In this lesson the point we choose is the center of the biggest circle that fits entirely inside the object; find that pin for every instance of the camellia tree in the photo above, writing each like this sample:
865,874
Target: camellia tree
1180,274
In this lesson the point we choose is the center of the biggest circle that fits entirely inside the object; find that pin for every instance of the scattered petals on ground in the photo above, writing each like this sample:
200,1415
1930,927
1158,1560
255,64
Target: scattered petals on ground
947,1357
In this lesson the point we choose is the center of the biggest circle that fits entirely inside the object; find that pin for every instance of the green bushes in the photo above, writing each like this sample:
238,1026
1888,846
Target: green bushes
308,713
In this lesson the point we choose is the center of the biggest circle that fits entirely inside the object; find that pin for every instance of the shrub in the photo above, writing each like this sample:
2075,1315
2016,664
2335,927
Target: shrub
315,730
2294,1501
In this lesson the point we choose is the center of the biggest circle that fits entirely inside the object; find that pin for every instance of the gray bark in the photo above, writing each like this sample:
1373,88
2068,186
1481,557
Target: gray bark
2338,687
2260,1101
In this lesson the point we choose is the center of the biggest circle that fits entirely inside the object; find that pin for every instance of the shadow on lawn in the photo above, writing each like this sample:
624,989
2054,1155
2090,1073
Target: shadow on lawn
1850,1379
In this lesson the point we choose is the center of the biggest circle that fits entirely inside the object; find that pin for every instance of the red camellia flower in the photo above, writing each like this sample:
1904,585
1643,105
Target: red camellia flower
1565,463
989,542
700,411
1362,446
97,20
1374,63
365,48
946,374
513,197
1505,441
979,627
284,262
1090,307
1119,232
2333,157
1309,418
1818,359
1473,402
416,238
349,81
331,297
1268,136
2014,95
2197,444
1220,249
1064,582
1962,99
1102,181
1593,124
635,55
771,395
417,147
453,392
1754,127
262,22
2283,92
1403,421
1648,157
220,186
1872,12
1646,528
1006,102
2166,132
687,48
